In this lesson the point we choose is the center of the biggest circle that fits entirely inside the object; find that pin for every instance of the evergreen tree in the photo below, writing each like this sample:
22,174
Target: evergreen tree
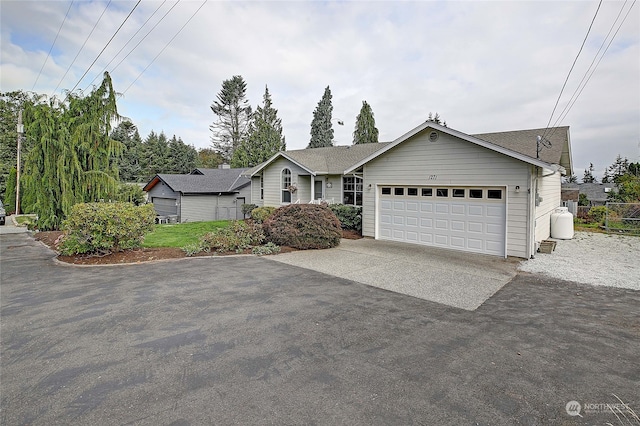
10,194
264,136
321,126
233,111
588,175
182,157
619,168
365,131
129,167
71,161
571,179
436,119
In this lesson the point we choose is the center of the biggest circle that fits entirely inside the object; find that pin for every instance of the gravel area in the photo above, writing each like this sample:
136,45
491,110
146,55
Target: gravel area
592,258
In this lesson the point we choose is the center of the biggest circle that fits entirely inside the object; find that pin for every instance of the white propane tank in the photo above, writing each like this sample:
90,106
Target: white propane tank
562,224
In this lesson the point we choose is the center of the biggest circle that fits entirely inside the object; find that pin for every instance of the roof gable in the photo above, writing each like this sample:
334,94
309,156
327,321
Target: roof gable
508,151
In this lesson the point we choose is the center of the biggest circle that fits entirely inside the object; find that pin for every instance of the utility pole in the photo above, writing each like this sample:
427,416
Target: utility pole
20,132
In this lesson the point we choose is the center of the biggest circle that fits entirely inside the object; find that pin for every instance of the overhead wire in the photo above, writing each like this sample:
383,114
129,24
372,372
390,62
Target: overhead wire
103,49
52,44
163,49
587,75
129,41
82,47
570,70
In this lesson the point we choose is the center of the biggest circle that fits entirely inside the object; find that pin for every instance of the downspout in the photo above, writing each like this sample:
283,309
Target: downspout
217,203
533,190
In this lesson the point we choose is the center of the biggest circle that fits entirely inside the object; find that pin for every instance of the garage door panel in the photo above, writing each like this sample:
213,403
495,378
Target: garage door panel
476,225
457,225
458,209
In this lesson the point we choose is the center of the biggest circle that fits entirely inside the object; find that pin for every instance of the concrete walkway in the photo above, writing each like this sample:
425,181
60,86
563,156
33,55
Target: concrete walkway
10,227
461,280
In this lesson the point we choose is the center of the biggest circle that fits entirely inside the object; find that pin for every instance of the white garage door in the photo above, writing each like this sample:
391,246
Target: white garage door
468,219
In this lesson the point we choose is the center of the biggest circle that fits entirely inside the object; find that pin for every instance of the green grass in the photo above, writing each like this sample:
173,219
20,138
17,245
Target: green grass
24,219
181,234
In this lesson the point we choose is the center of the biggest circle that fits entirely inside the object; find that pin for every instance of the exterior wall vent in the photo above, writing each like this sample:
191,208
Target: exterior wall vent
433,136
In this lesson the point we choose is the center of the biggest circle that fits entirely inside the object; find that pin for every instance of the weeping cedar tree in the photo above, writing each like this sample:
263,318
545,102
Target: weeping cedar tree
321,127
70,162
365,131
233,111
264,136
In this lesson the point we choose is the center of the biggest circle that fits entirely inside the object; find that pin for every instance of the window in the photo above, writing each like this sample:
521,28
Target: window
262,187
412,191
494,194
386,191
475,193
427,192
398,191
458,192
286,183
352,190
442,192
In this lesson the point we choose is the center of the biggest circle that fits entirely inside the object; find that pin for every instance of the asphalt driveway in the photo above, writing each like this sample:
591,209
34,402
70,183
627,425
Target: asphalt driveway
247,340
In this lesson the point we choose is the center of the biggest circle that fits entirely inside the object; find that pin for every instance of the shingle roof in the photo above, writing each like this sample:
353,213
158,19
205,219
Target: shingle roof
593,191
524,142
327,160
212,181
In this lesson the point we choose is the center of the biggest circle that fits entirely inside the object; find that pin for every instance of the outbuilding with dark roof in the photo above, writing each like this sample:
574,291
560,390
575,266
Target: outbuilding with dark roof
204,194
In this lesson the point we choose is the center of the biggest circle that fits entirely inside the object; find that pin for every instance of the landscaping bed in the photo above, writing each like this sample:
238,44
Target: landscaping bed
143,254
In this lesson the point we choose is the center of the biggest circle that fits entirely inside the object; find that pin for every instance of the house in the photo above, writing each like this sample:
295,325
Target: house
436,186
204,194
596,193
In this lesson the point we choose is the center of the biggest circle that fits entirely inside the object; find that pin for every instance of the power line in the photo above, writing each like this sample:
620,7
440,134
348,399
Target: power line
130,39
82,47
103,49
52,44
579,89
574,63
166,45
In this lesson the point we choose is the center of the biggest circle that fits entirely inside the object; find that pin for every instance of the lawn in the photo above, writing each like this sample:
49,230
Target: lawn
181,234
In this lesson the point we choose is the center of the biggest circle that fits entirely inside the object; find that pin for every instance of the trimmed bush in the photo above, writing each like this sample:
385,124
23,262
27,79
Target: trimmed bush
247,209
261,214
237,237
597,214
103,228
350,217
303,226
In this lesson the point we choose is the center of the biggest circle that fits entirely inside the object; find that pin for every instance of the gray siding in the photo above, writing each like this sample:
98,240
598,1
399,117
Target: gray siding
255,191
200,208
451,161
549,189
272,183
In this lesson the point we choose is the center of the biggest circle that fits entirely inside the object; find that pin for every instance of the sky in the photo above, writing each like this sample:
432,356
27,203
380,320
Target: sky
483,66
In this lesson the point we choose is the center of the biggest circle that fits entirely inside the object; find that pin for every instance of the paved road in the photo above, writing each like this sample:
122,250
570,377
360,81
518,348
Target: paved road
10,228
247,340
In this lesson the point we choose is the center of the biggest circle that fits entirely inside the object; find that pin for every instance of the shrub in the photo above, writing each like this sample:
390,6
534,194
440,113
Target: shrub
597,214
102,228
261,214
236,237
247,209
268,248
303,226
350,217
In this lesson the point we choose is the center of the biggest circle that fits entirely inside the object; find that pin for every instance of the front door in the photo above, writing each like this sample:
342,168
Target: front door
318,190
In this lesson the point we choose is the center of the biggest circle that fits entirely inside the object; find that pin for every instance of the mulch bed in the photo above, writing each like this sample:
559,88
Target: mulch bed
50,238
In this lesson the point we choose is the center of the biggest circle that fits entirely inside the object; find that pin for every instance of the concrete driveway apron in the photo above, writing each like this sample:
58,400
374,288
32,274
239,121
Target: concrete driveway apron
461,280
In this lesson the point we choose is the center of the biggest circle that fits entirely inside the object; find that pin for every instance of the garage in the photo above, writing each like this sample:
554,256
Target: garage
462,218
165,206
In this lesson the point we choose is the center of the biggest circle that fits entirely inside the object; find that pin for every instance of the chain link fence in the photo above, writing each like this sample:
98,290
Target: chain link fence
623,218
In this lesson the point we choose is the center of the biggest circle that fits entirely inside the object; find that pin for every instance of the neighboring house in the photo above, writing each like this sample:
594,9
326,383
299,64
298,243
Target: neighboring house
433,185
596,193
204,194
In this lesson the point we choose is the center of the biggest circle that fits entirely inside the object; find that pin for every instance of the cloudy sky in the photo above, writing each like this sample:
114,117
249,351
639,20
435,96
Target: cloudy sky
483,66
